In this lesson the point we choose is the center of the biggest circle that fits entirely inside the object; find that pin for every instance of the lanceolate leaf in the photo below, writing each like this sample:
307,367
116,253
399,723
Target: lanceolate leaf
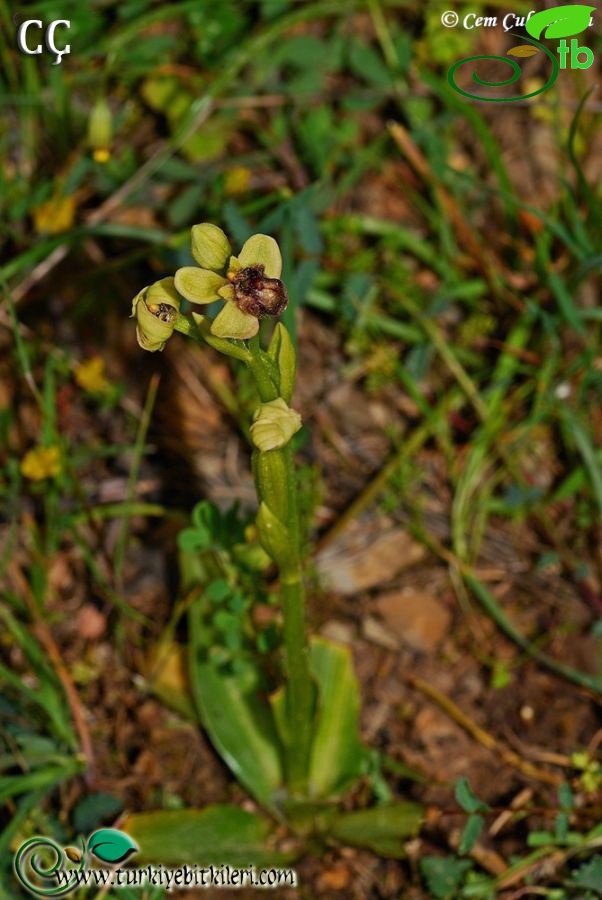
214,835
337,755
240,726
383,829
111,845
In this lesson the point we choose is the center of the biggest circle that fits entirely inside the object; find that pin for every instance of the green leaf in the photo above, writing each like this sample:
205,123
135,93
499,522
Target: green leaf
94,809
471,833
273,536
337,756
111,845
466,799
561,21
382,829
589,875
444,875
209,836
240,726
282,351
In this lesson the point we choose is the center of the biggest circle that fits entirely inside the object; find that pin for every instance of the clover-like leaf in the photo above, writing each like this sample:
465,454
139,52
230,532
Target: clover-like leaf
111,846
561,21
523,50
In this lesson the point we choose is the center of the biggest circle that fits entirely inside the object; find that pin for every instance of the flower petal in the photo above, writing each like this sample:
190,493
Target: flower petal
227,292
210,246
262,250
199,285
233,323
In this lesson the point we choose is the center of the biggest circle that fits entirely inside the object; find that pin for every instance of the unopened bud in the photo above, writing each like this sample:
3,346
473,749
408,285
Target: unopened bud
100,130
210,246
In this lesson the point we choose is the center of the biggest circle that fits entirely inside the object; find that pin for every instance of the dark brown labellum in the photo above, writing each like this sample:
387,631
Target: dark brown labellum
163,311
258,295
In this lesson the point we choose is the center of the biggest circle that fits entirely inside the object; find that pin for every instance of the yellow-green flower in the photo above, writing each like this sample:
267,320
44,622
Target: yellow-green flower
251,284
41,462
156,310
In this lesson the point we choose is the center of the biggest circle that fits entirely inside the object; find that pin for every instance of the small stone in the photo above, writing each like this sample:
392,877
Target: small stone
91,624
361,559
415,617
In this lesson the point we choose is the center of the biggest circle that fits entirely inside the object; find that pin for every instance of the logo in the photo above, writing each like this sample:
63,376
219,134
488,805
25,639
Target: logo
23,38
561,22
41,860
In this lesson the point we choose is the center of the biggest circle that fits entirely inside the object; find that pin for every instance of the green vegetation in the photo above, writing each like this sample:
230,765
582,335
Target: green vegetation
442,260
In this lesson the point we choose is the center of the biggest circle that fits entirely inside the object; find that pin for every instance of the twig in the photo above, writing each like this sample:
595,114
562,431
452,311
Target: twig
45,637
480,735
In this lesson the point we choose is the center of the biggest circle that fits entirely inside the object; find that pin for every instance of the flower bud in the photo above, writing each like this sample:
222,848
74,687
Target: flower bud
256,294
210,246
274,424
100,131
156,310
282,351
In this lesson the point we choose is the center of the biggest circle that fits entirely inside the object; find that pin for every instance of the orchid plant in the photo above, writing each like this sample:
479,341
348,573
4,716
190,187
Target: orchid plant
297,749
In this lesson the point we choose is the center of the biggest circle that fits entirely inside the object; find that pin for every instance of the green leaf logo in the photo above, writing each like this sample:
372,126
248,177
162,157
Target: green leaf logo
111,846
560,22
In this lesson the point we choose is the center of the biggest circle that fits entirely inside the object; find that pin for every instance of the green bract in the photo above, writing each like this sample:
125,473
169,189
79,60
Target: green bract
274,424
259,259
156,310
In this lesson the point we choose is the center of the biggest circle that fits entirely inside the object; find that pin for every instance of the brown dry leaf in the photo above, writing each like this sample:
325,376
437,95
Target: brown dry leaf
523,50
91,623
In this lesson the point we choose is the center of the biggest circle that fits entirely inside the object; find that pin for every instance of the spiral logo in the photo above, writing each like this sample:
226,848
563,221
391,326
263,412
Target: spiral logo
37,862
450,18
516,73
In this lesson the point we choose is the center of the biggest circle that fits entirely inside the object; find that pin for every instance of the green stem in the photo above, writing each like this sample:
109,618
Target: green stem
299,695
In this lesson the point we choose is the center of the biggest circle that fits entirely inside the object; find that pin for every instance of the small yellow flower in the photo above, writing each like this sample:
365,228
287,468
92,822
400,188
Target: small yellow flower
41,462
237,181
90,375
55,215
101,155
251,285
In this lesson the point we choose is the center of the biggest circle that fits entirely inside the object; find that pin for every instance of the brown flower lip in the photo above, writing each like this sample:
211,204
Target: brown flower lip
256,294
162,311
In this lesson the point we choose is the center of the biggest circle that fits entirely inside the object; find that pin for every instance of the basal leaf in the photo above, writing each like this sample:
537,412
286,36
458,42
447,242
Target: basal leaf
383,829
240,726
111,845
337,755
213,835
